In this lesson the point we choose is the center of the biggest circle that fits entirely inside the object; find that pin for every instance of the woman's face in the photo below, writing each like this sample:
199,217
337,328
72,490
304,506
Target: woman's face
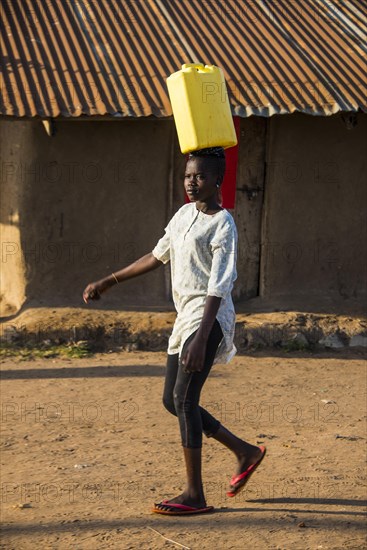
200,179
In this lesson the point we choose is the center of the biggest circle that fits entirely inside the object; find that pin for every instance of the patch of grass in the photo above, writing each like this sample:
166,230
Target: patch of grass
258,346
294,345
45,351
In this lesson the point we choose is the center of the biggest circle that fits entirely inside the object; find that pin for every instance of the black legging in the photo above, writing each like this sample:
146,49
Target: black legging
182,392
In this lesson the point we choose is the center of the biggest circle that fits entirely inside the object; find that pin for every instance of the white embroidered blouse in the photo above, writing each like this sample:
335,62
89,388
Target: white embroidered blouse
202,249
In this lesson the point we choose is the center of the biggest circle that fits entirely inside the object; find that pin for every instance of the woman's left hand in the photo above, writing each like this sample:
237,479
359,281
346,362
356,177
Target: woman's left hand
195,356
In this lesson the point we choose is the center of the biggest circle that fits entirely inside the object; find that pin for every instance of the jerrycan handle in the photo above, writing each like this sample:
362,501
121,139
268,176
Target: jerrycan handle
198,66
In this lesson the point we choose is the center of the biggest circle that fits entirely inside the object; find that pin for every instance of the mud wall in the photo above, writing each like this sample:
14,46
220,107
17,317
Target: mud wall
78,205
313,222
97,195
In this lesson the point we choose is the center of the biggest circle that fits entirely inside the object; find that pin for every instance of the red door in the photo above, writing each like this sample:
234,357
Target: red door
227,192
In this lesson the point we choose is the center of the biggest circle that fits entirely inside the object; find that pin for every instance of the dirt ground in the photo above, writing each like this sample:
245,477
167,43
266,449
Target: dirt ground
87,447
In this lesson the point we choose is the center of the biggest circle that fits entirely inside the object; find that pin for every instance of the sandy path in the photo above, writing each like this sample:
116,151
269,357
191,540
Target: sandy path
87,445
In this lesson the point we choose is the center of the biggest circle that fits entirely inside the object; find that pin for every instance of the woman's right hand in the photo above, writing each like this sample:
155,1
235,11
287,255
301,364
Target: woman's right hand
144,264
93,291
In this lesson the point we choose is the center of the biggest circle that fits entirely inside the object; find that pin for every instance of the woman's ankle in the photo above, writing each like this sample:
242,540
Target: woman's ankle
194,495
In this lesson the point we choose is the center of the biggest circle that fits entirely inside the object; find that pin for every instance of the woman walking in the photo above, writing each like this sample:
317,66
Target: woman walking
200,241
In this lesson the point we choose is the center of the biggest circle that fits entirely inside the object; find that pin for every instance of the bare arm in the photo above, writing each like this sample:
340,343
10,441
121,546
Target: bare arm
211,307
195,355
142,265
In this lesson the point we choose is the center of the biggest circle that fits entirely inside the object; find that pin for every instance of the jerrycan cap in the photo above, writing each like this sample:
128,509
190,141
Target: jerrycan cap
200,67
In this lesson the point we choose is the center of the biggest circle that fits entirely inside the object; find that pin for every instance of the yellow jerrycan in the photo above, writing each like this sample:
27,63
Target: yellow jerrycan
200,106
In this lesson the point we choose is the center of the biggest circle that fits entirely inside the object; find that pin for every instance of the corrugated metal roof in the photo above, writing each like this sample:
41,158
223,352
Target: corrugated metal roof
112,57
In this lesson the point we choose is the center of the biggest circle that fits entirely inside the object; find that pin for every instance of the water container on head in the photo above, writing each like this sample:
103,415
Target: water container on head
201,108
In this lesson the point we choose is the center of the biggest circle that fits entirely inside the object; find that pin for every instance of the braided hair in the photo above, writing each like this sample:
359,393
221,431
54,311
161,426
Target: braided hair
216,154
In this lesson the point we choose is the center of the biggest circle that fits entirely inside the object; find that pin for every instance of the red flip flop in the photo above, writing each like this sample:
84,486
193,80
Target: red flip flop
244,477
173,509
